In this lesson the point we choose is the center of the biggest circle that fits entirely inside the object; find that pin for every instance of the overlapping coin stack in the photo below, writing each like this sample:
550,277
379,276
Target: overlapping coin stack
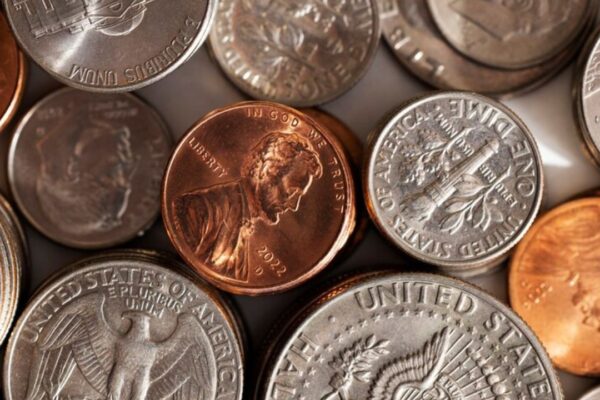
271,194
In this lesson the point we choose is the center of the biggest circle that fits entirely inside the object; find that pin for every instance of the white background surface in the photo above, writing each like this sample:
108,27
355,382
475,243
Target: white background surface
198,87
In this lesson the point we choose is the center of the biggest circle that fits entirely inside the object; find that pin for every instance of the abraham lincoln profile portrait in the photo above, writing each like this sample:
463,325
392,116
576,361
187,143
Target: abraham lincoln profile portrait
217,221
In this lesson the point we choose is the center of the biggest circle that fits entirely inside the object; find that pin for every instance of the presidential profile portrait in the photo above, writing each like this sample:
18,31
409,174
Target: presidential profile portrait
85,174
217,221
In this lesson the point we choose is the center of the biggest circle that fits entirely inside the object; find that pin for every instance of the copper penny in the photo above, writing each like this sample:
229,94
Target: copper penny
13,72
258,198
554,284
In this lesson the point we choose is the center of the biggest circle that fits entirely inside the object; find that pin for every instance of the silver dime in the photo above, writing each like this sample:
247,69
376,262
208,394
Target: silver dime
454,179
298,53
409,30
593,394
409,336
124,326
86,169
110,46
510,34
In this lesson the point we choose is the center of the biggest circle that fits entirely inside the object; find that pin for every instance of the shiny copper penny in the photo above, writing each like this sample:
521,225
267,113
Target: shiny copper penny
258,198
13,72
554,284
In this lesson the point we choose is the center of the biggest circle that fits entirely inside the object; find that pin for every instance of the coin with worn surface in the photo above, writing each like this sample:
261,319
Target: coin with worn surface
13,71
454,179
554,284
258,198
408,336
298,53
409,30
593,394
124,326
587,95
110,46
507,33
86,169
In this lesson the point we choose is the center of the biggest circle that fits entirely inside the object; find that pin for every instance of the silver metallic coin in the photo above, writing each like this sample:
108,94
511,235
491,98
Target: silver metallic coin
86,169
297,53
507,33
409,336
417,43
593,394
13,261
110,46
120,326
454,179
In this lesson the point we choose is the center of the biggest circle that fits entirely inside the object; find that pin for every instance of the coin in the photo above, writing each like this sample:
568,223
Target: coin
13,261
298,53
510,34
417,43
13,71
408,336
453,179
593,394
86,169
258,198
124,326
110,46
554,284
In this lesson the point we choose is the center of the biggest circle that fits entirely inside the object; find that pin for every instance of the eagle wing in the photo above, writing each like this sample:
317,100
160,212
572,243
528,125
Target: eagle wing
184,365
421,368
77,336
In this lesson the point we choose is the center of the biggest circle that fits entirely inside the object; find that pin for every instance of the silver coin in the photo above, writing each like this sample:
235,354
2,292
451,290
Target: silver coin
121,326
409,30
86,169
593,394
110,46
297,53
409,336
454,179
510,34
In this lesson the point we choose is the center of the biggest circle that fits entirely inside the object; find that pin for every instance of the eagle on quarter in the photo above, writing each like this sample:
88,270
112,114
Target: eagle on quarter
126,364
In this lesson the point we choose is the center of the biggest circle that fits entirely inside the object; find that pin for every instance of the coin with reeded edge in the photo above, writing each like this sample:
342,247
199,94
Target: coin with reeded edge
510,34
297,53
258,198
86,169
110,47
454,179
408,336
411,34
13,71
554,284
124,326
593,394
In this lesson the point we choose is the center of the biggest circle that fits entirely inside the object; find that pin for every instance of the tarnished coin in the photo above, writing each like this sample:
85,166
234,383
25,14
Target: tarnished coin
454,179
110,46
121,326
417,43
593,394
507,33
86,169
408,336
258,198
554,284
13,71
297,53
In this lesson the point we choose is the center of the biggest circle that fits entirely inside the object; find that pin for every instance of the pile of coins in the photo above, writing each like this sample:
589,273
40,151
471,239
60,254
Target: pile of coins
262,196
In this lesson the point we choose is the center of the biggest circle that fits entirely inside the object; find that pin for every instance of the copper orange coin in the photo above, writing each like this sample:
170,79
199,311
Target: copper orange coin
13,72
554,284
258,198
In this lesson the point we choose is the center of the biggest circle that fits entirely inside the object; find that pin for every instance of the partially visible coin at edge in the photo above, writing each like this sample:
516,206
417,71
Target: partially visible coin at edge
554,284
86,169
13,73
454,179
110,47
258,198
510,34
593,394
295,53
124,326
407,336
